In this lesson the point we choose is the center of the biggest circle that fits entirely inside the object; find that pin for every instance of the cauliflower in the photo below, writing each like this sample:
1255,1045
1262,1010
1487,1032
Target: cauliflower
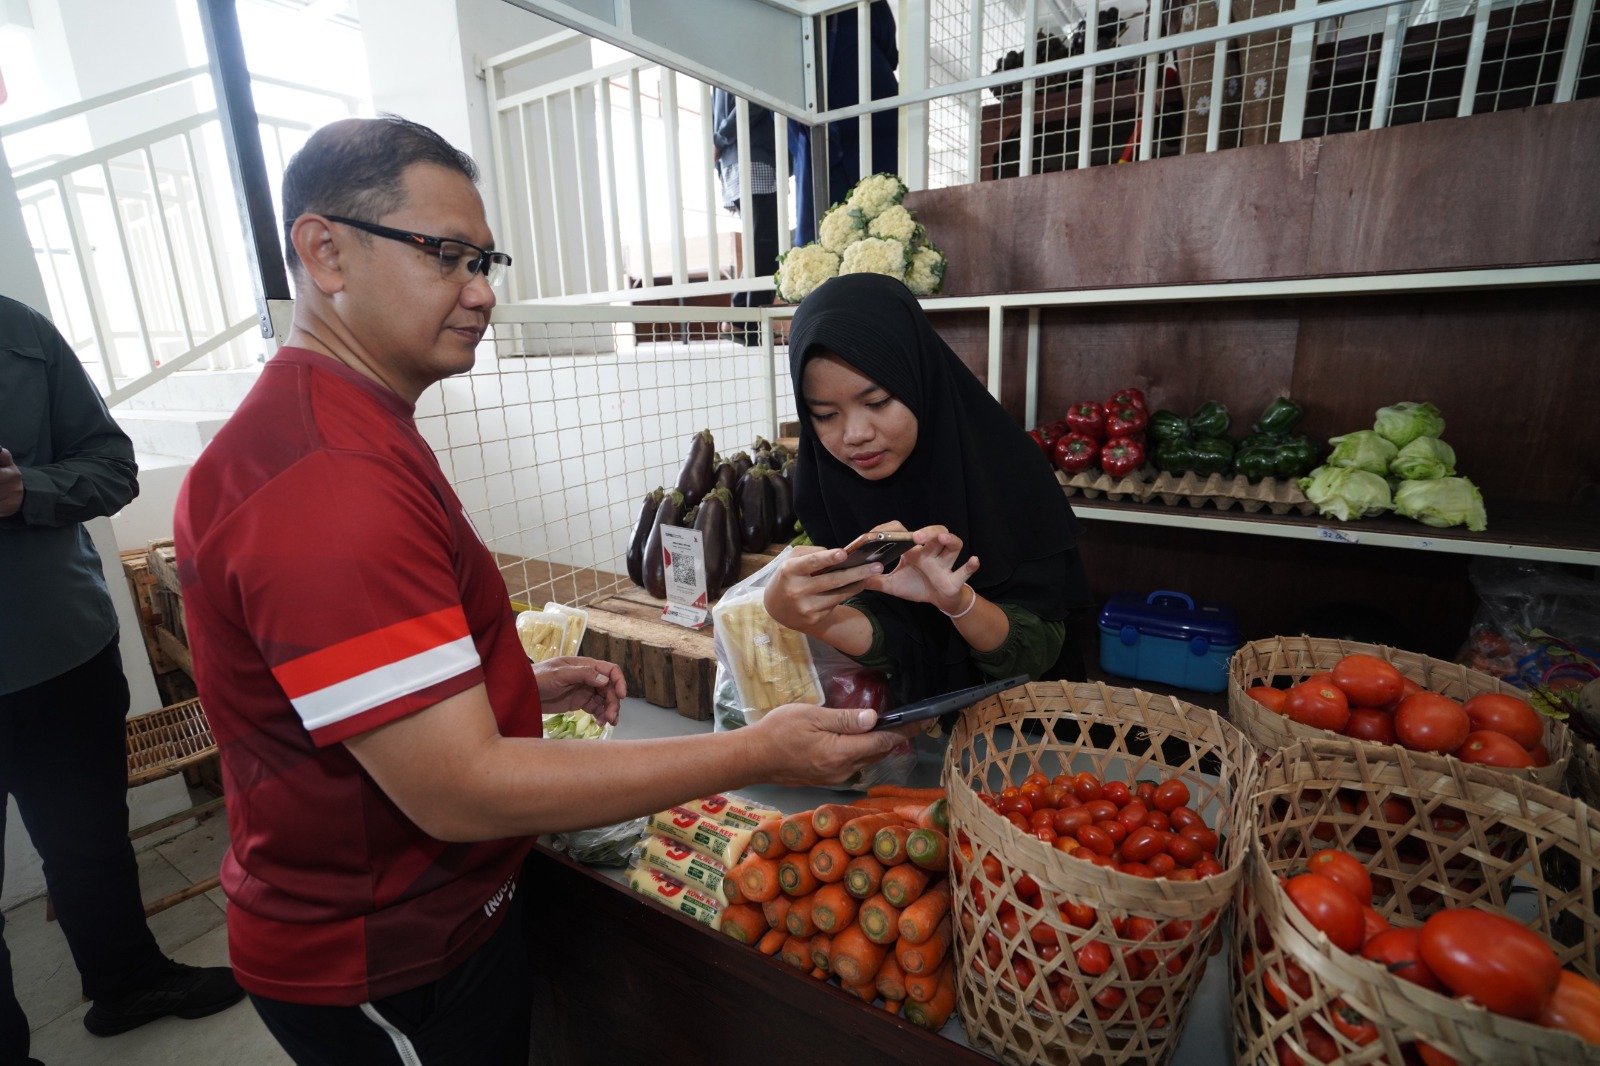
875,194
841,227
896,224
803,269
875,255
925,271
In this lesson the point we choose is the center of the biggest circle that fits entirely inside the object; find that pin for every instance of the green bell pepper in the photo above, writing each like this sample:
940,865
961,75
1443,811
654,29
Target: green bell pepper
1167,426
1295,457
1254,463
1212,455
1174,456
1210,421
1281,416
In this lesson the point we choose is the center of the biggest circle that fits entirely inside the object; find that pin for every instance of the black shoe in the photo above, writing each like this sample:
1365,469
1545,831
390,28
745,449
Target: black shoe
187,992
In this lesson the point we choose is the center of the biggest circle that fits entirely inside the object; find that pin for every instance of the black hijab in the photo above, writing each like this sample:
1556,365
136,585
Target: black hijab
973,470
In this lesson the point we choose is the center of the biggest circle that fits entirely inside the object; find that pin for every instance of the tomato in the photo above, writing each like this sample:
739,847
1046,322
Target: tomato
1042,819
1095,839
1181,874
1113,829
1094,958
1207,868
1408,687
1162,865
1501,964
1540,755
1036,778
1329,907
1044,934
1144,791
1046,834
1367,680
1054,794
1019,821
1108,999
1270,698
1133,815
1028,888
1432,1056
1063,993
1016,805
1505,714
1574,1006
1143,844
1170,796
1344,870
1298,982
1376,924
1086,787
1157,820
1070,821
1396,951
1430,722
1320,1043
1356,1027
1206,838
1034,794
1319,704
1066,844
1137,869
1101,810
1117,792
1368,724
1488,748
1077,913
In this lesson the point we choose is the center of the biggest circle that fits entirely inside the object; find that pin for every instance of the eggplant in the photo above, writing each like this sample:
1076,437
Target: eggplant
641,534
741,466
727,477
695,479
780,457
730,575
655,571
755,510
787,473
712,523
782,509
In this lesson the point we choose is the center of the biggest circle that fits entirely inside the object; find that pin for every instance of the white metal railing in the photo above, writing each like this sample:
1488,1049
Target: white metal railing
605,177
136,236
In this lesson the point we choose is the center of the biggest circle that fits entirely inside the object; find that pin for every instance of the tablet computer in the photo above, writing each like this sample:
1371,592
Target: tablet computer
934,706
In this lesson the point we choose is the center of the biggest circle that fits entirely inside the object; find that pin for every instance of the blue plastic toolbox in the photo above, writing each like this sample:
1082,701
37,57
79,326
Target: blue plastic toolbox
1169,638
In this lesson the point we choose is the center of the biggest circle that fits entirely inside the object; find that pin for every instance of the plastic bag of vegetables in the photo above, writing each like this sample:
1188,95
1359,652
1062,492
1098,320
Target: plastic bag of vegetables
1441,502
1346,492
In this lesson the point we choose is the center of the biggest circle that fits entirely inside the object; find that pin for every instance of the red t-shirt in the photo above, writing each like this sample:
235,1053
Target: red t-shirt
333,583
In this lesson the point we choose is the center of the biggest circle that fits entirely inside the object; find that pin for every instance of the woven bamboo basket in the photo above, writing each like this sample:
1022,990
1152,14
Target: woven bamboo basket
1511,830
1583,772
1263,662
1021,992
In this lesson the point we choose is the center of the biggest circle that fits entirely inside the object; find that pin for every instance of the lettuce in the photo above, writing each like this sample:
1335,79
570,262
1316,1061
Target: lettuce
1446,501
1363,450
1424,459
1403,423
1346,492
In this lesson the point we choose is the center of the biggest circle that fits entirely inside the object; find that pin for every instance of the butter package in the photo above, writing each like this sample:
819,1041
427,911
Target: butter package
732,811
687,865
708,836
663,888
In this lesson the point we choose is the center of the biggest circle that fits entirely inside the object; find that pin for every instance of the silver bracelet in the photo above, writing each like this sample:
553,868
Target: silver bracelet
970,606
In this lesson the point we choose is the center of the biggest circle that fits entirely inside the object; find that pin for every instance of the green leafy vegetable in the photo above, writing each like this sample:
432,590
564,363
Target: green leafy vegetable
573,725
1346,492
1424,459
1363,450
1403,423
1446,501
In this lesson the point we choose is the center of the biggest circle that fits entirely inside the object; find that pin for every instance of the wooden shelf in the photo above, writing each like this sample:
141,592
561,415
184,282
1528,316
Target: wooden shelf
1559,533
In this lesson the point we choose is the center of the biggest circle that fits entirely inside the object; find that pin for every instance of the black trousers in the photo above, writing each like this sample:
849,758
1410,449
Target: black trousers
476,1015
764,256
64,756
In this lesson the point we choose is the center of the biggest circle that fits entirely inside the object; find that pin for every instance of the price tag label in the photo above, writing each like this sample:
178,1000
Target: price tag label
1338,536
683,557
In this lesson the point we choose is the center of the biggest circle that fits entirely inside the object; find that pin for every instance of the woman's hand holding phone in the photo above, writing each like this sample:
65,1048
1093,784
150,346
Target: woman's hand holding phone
802,597
928,574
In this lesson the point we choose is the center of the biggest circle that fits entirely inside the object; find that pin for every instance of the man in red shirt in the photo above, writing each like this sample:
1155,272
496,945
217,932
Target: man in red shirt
378,722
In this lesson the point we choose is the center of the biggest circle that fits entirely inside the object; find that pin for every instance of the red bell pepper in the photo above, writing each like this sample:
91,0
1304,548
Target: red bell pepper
1088,418
1038,437
1057,429
1075,452
1131,397
1126,420
1121,456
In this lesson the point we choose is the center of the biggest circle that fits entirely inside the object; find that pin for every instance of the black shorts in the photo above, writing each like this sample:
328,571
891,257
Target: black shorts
475,1015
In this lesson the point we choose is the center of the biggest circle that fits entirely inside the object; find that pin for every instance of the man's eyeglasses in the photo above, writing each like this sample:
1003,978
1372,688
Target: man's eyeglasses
459,261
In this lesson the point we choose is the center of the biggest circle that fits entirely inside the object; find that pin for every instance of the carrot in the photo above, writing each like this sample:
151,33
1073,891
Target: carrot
828,861
822,952
928,848
884,804
879,920
795,876
889,844
918,959
919,921
920,988
744,923
903,884
819,974
775,910
797,832
936,815
772,943
866,991
891,979
834,909
893,1005
829,818
855,958
730,889
856,836
905,792
766,842
863,876
799,921
797,953
933,1013
757,878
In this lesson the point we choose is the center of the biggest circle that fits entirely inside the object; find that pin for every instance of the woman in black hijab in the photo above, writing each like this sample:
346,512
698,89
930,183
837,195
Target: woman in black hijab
897,433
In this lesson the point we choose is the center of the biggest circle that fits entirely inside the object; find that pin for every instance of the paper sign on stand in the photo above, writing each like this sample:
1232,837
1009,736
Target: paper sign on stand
683,558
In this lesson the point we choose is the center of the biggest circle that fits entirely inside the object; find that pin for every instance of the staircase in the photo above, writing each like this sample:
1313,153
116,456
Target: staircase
169,423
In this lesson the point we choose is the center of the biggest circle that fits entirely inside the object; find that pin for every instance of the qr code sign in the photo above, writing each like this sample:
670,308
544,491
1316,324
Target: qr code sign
683,569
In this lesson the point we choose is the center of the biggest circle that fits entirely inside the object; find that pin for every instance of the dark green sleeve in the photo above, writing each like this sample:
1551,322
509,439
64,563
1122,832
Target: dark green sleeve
1031,647
875,657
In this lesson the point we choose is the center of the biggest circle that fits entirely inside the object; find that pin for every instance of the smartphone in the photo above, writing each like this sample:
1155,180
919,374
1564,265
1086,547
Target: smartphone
878,547
934,706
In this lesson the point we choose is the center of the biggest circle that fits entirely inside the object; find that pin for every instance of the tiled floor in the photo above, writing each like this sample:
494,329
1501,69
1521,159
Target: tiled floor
193,932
